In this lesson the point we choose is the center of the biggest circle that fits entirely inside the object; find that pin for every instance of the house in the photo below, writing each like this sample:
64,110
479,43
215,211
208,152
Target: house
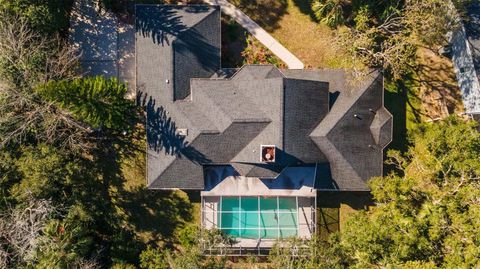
465,52
258,142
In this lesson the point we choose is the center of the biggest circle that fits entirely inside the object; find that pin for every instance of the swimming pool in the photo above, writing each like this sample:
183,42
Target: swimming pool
258,217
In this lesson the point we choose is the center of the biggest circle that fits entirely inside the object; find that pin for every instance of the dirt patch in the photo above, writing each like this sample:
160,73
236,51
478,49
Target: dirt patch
438,89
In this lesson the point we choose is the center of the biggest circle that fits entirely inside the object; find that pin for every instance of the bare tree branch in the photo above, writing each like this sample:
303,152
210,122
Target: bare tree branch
20,230
28,60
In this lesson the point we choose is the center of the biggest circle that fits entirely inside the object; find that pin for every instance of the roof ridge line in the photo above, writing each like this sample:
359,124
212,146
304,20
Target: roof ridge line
200,21
351,102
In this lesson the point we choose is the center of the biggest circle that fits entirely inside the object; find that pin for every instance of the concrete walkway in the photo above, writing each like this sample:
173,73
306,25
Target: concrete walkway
259,33
107,45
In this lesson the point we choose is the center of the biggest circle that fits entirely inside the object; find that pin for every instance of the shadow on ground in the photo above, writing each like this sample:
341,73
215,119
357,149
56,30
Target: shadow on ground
129,216
356,199
439,90
331,204
234,43
305,6
396,102
328,221
267,13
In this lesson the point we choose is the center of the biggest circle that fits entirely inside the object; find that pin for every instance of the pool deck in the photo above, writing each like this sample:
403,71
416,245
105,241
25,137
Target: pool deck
250,186
294,182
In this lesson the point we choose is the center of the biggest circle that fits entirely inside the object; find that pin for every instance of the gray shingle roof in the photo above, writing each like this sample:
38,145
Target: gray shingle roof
183,41
228,114
347,134
472,28
465,44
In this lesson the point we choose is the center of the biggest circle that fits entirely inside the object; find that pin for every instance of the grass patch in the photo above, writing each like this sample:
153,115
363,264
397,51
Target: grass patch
334,208
438,88
264,12
430,92
401,99
313,43
153,216
240,48
328,221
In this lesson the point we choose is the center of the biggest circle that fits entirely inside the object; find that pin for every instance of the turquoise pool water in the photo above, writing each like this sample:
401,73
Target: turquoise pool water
258,217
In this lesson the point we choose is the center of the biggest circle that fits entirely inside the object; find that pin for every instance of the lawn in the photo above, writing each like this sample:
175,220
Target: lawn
313,43
333,209
292,24
155,217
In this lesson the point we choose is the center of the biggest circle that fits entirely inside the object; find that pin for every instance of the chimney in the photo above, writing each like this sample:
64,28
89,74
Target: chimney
268,153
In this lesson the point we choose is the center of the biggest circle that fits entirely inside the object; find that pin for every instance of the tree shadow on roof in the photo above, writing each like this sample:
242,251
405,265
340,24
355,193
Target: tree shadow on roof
472,20
172,26
163,136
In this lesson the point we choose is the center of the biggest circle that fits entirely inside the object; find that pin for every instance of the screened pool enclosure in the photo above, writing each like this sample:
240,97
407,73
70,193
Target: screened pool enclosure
257,221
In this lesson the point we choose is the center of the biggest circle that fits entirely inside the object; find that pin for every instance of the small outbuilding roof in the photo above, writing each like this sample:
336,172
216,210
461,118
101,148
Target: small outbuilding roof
466,58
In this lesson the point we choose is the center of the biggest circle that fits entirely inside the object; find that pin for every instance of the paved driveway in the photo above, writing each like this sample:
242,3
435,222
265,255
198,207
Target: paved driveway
107,45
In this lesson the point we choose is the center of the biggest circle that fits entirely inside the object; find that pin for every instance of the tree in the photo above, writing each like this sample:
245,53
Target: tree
20,230
427,213
330,12
386,34
85,228
191,255
26,237
43,100
308,254
44,16
28,59
97,101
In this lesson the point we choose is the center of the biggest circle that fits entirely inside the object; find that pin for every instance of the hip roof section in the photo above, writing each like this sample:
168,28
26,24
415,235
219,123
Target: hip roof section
199,115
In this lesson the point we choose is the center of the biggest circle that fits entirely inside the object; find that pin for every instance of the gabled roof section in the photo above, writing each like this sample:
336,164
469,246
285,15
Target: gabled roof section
382,127
306,105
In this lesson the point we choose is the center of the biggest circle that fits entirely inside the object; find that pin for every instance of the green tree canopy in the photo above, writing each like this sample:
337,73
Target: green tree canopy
97,101
386,34
45,16
428,213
